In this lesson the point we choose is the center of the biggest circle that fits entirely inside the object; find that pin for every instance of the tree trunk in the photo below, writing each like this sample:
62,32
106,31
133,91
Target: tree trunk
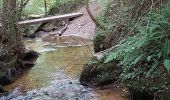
11,46
98,24
45,7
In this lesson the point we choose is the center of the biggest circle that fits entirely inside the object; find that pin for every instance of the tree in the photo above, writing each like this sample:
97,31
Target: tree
98,24
21,5
11,46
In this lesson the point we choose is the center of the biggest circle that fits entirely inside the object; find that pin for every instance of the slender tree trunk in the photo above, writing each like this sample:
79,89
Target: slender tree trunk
98,24
11,42
22,4
45,7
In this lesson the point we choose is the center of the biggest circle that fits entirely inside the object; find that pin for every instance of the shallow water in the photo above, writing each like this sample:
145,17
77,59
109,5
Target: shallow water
55,75
54,57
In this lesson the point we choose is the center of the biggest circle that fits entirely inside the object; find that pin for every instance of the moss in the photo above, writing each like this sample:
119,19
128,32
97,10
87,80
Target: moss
99,73
99,42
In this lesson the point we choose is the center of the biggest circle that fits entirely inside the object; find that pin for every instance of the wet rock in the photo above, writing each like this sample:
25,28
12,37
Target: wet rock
4,80
31,55
29,59
85,84
70,82
1,89
99,73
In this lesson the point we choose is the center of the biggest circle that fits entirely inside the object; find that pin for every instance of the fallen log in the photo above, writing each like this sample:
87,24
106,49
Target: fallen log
47,19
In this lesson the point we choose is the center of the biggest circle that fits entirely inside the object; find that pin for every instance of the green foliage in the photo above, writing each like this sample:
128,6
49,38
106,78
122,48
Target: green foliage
167,64
37,6
145,56
65,6
116,19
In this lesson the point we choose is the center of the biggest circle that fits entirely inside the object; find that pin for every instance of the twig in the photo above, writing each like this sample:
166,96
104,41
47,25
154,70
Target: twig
64,28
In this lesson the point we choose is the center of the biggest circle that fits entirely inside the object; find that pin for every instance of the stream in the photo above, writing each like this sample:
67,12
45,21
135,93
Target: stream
56,72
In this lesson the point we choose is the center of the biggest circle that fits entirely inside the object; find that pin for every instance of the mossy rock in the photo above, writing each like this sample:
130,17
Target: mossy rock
98,73
104,40
99,42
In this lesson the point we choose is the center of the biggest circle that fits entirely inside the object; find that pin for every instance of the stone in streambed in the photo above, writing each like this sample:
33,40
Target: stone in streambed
2,90
29,59
4,79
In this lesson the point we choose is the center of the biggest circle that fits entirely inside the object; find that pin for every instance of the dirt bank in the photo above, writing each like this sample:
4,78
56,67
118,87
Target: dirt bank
83,26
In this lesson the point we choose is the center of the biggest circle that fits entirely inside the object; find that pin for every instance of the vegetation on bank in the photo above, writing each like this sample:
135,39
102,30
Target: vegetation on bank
139,33
51,7
145,55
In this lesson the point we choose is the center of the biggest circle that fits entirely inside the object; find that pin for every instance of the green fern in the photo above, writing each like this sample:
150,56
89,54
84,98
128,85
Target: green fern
145,55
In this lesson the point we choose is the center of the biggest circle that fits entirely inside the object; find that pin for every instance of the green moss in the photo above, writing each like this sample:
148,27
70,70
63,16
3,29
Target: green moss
100,73
99,42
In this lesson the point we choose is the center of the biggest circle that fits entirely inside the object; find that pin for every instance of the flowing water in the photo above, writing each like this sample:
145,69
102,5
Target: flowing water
55,75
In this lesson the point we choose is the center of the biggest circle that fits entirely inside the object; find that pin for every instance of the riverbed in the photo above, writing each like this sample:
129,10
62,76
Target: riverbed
55,75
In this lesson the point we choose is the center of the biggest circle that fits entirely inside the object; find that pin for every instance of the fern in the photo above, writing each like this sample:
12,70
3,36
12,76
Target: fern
167,64
145,56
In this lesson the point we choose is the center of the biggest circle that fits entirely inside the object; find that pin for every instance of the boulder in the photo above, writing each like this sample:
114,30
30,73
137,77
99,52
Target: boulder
99,73
29,59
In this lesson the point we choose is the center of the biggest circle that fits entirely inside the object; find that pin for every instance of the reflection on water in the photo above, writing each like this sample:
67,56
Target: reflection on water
55,75
55,55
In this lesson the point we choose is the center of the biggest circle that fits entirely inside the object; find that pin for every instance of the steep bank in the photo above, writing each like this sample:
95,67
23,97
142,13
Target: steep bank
138,38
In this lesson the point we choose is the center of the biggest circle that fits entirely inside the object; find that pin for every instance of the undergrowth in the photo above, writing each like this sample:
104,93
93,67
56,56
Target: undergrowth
119,19
53,6
145,54
65,6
